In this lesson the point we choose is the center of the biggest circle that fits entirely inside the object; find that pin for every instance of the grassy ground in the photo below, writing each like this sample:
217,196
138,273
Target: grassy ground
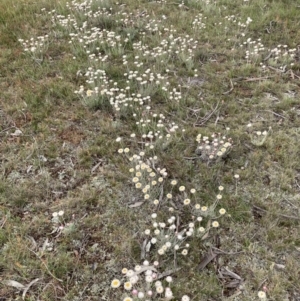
71,213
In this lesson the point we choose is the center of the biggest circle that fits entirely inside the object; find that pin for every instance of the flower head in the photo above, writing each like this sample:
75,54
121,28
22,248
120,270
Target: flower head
115,283
138,185
215,224
201,229
134,279
141,295
135,180
181,188
153,240
161,251
159,289
168,293
130,273
222,211
184,252
156,202
158,283
261,295
128,285
186,201
149,278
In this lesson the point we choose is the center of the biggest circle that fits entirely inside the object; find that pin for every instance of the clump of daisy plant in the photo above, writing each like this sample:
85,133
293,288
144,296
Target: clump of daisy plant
171,236
144,282
167,237
60,226
36,47
213,148
258,138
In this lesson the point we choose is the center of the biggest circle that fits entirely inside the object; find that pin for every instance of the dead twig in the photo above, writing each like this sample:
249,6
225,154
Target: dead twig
136,204
276,114
232,297
175,260
226,272
297,184
145,248
7,129
253,79
218,251
217,119
173,115
3,222
293,205
268,56
208,257
160,197
207,117
28,287
45,265
278,214
278,70
293,75
262,283
167,273
230,90
212,253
